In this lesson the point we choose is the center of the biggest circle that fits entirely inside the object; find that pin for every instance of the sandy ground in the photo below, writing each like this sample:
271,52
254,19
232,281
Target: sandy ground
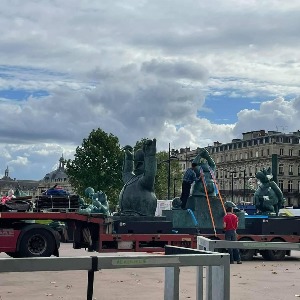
254,280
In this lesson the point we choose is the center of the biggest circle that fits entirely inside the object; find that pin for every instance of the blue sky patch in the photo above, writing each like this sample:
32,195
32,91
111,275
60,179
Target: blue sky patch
21,94
223,109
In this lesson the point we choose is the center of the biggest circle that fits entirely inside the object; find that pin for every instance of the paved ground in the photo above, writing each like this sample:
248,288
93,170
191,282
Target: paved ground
253,280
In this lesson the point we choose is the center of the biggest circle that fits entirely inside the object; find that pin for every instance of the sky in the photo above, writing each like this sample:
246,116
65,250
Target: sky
188,73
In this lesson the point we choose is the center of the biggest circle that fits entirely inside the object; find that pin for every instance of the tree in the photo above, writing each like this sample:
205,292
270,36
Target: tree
98,164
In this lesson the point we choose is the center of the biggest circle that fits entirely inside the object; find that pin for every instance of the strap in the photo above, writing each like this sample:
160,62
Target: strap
207,198
216,185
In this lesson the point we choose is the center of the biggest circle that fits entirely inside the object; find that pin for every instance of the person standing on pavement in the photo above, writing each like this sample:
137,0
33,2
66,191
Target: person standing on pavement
231,222
188,178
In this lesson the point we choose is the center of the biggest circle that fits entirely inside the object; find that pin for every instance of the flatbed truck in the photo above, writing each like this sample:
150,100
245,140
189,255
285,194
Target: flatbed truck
20,236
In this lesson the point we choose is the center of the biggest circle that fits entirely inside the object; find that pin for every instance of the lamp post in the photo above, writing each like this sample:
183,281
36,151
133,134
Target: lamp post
232,172
169,172
244,192
186,159
231,186
170,157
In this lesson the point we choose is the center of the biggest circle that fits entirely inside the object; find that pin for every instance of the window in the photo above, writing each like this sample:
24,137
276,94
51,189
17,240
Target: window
290,152
298,186
280,184
281,151
268,151
246,155
256,153
241,155
251,153
290,169
290,186
298,169
280,171
262,152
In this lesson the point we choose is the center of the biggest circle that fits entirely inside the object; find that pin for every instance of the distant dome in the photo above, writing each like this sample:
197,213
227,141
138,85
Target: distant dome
59,175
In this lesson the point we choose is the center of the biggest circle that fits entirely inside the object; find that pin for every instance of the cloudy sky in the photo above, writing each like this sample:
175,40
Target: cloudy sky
184,72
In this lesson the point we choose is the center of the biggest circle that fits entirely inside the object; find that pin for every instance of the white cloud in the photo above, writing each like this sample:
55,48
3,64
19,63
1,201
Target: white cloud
141,69
278,114
19,161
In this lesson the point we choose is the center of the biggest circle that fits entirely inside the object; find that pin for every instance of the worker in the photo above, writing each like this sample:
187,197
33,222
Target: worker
188,178
231,222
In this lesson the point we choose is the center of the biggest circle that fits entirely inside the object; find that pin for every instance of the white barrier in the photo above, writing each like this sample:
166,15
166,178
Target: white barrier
170,262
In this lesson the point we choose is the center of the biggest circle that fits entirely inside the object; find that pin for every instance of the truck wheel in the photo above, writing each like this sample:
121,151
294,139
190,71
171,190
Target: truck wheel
274,254
37,243
246,254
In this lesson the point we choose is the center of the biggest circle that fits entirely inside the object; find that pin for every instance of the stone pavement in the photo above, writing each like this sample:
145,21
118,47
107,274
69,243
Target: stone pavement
252,280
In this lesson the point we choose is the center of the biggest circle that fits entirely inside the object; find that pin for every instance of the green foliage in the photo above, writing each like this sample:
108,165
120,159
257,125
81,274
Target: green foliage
97,163
139,144
161,180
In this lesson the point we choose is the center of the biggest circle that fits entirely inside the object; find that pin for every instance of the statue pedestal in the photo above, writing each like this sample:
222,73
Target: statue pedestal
141,225
183,221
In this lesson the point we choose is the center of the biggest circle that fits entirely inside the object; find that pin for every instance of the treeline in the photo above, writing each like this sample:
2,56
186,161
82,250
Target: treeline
98,163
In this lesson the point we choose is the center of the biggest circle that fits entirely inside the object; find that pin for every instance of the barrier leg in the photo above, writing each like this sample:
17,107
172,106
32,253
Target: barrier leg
90,287
91,276
218,282
199,283
171,283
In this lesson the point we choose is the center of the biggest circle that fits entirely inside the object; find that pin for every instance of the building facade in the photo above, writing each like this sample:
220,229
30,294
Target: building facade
57,177
37,187
7,183
238,161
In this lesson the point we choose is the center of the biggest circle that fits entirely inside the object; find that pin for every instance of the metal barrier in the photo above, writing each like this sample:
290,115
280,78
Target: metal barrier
210,245
175,258
214,275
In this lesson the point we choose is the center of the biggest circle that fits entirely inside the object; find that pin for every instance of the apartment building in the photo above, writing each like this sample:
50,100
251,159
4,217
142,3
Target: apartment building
238,161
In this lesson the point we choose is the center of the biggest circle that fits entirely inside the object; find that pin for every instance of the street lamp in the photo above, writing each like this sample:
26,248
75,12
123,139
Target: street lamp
169,172
174,191
244,192
232,172
170,158
186,158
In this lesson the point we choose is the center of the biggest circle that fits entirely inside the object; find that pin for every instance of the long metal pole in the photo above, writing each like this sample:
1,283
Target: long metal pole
174,188
231,186
169,172
186,159
244,195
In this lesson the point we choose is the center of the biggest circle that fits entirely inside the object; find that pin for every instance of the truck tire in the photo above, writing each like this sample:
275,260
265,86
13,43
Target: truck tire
274,255
37,242
246,254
